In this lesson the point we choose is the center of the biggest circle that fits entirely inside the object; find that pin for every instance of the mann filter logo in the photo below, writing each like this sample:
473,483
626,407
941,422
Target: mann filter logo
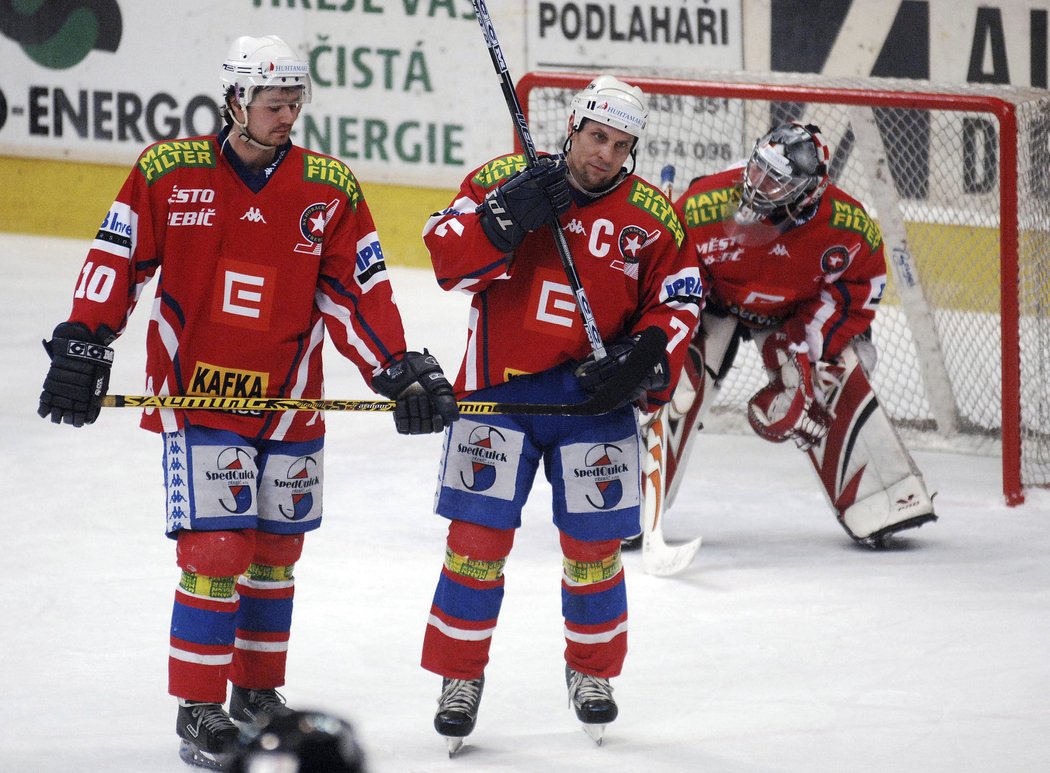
237,470
298,483
330,171
59,34
710,206
312,222
499,169
852,218
227,382
649,199
483,447
603,466
157,160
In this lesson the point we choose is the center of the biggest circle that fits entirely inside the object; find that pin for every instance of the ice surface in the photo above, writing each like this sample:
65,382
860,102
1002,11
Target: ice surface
782,648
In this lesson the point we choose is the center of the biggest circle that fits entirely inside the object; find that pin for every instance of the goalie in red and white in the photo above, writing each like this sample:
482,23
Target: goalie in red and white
795,264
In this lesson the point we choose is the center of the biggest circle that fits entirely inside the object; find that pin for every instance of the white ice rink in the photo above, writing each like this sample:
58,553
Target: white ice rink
782,648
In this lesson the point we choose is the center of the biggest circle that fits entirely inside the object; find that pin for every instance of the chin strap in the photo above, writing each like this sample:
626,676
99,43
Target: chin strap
242,130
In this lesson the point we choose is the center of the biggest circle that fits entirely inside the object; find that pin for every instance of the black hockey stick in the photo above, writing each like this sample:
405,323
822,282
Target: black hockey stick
522,127
613,393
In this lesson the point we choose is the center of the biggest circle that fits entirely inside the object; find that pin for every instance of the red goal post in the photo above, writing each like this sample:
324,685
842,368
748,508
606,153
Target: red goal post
959,181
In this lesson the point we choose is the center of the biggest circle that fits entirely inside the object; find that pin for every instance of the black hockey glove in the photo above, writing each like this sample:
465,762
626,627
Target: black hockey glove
530,199
425,402
592,374
79,374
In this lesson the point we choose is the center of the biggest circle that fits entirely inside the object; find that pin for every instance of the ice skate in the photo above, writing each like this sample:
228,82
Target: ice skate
458,710
208,735
591,697
251,706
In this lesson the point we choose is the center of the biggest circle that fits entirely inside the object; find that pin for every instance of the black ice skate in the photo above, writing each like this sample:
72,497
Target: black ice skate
458,710
209,737
591,697
252,706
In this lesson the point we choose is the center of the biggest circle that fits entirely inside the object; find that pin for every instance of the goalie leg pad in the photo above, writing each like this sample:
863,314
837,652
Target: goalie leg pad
710,355
867,474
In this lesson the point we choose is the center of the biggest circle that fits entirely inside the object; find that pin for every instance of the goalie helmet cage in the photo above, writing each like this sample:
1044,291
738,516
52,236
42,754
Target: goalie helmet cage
958,179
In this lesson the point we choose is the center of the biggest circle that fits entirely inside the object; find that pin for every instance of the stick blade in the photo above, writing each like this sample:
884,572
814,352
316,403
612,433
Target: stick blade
663,560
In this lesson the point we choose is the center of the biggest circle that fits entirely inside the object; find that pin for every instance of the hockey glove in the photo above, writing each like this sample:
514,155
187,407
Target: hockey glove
787,407
425,402
79,374
592,374
530,199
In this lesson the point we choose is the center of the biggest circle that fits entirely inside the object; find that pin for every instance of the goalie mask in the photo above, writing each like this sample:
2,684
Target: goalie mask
786,174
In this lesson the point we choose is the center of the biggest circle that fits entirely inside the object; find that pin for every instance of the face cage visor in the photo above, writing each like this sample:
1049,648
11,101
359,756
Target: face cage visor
769,184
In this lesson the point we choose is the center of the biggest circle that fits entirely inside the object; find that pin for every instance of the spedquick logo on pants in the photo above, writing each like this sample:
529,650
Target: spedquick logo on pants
225,482
600,476
291,487
483,459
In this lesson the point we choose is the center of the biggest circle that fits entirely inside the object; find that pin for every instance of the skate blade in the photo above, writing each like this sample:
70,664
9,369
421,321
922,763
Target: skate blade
454,745
596,732
191,755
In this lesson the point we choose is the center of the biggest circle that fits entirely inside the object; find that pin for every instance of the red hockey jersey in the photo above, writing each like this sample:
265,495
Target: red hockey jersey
827,273
247,282
523,319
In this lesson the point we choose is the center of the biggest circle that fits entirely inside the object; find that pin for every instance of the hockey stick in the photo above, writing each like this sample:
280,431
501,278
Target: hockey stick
613,393
590,326
659,558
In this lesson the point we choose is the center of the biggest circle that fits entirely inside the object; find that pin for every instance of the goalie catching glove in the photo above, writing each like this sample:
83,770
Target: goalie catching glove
530,199
425,401
593,374
78,377
787,407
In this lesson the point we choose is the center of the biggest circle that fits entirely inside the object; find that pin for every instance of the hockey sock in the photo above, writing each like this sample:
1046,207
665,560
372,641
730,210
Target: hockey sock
467,601
264,620
594,603
202,633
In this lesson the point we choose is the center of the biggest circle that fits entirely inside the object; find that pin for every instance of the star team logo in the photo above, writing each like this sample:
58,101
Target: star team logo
312,223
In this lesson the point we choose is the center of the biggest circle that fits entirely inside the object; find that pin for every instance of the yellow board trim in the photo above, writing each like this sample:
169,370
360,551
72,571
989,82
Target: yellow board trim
66,199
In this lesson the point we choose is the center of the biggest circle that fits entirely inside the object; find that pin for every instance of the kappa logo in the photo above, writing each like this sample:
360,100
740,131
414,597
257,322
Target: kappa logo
253,215
575,227
781,250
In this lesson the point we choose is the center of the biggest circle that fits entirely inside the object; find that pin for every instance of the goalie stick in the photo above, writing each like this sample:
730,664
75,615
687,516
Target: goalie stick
614,392
659,558
590,326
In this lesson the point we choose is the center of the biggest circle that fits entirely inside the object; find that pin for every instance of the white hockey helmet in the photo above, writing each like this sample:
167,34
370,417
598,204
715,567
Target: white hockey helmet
612,102
787,171
256,63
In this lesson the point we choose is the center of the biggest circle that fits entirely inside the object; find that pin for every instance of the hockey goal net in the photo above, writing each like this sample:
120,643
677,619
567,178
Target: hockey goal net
959,181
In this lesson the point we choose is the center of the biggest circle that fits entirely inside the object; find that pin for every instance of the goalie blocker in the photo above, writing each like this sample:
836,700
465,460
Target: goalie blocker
867,474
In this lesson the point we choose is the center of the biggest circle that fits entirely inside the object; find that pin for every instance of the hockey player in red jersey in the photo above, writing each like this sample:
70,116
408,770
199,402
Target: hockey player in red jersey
259,247
525,343
795,264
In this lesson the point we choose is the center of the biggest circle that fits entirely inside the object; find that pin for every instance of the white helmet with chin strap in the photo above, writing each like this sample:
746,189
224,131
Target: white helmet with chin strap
259,63
612,102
